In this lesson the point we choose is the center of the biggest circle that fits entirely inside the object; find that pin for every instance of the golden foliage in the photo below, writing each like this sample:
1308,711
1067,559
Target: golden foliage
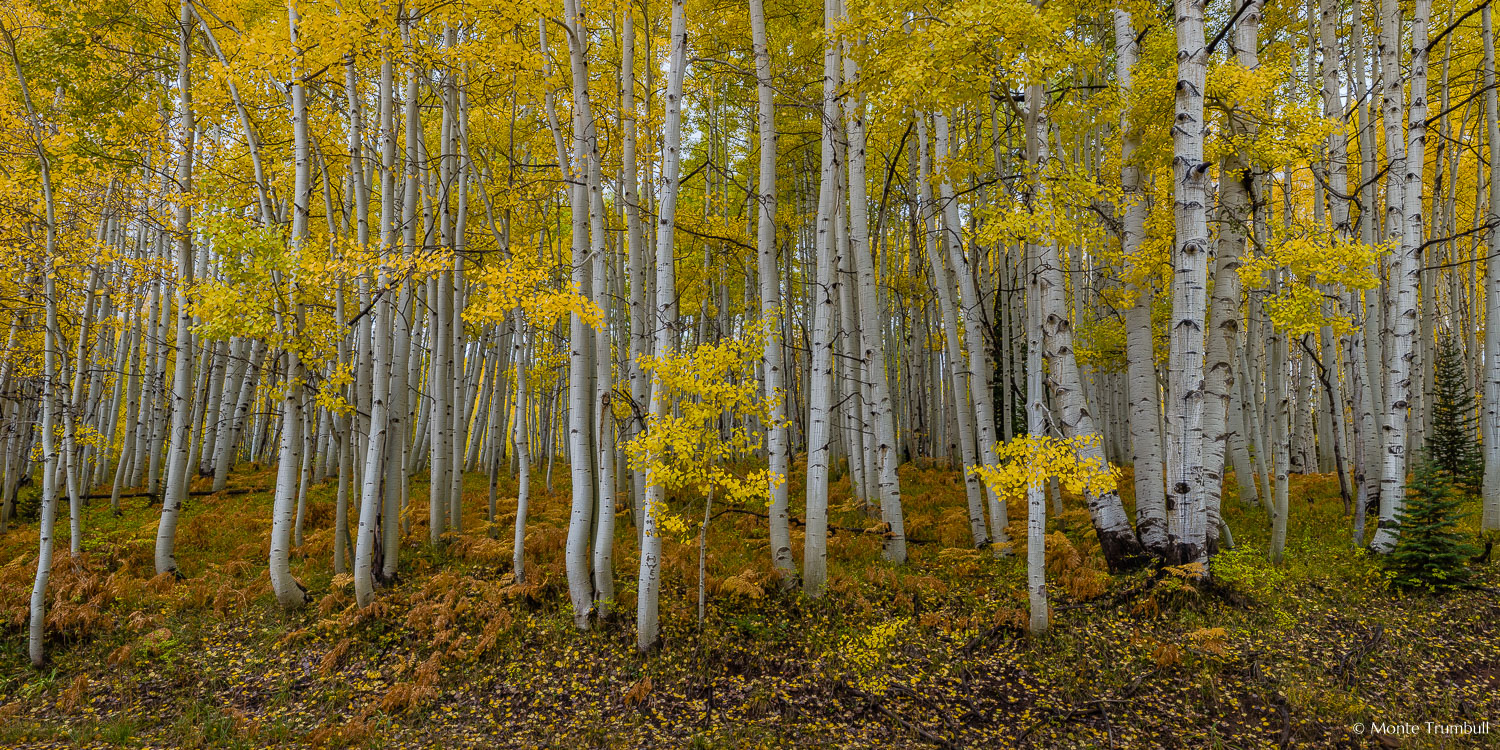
638,692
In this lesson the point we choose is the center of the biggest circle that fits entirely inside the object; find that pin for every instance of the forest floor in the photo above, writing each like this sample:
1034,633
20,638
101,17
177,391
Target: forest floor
1314,653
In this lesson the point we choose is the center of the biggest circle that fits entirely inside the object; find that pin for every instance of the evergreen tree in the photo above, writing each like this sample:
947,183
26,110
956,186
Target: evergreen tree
1430,552
1451,445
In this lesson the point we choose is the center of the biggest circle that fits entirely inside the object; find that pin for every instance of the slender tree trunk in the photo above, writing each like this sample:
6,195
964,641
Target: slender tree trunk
872,353
772,364
377,450
1145,404
1403,232
522,439
825,293
182,377
1491,514
51,348
972,309
1038,279
649,583
958,380
1187,496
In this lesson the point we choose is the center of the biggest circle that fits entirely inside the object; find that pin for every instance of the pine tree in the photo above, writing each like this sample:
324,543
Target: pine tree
1430,552
1451,445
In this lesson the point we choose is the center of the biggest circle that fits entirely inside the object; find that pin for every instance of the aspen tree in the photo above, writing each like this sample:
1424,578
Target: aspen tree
373,492
872,353
51,342
1491,514
820,413
773,366
972,310
1236,195
580,427
1186,491
963,413
1038,279
1072,415
649,583
291,455
1401,269
1338,183
177,465
1145,405
636,245
521,439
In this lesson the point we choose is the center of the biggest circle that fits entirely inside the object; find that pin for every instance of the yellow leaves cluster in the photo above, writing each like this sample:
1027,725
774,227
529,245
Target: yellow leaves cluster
1099,343
1030,460
686,449
332,387
1273,130
269,291
862,655
953,52
524,282
1313,263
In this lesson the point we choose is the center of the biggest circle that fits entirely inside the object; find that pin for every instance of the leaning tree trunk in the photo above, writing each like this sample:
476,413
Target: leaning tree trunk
872,334
972,308
958,378
1142,388
1122,550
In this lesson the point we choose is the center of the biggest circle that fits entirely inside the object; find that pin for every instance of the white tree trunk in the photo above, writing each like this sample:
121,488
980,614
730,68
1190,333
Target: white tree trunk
289,593
820,413
1111,523
604,449
1402,265
1142,390
182,378
580,459
958,375
1491,515
377,449
1223,336
972,310
872,354
649,585
521,438
1187,497
639,253
290,457
51,347
773,365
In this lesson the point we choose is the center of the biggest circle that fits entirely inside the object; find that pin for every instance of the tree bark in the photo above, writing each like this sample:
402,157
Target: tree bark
1187,496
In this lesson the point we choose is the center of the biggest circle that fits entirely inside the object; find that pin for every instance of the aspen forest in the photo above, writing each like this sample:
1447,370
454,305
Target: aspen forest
749,374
